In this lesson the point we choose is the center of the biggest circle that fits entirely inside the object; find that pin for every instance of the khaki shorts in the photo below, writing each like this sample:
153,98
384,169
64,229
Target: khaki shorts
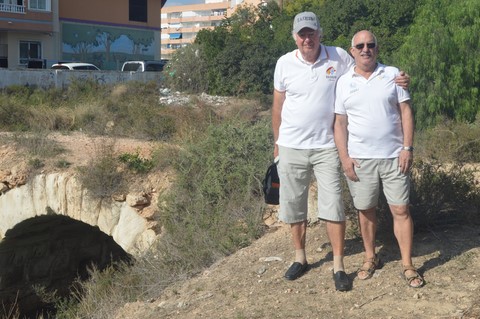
295,170
375,172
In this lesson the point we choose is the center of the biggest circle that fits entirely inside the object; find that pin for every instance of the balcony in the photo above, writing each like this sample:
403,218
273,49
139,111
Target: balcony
12,8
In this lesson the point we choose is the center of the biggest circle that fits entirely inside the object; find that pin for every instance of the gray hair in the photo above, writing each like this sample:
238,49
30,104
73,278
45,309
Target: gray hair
320,34
374,37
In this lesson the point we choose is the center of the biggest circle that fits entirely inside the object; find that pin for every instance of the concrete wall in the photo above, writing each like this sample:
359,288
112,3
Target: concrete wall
62,78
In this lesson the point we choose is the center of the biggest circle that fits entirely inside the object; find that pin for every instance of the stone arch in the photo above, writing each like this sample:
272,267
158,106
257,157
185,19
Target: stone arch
73,229
62,194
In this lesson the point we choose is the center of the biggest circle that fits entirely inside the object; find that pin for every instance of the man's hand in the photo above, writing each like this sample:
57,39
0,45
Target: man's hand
403,80
275,151
348,166
405,161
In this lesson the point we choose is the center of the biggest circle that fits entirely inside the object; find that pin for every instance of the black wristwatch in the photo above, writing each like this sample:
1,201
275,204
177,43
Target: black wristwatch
408,148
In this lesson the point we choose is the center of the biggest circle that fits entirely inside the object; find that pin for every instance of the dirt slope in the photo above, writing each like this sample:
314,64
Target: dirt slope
249,283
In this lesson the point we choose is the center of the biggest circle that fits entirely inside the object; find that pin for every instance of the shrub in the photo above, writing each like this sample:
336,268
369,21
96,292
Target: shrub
136,163
187,70
102,177
450,142
13,116
38,144
216,204
443,194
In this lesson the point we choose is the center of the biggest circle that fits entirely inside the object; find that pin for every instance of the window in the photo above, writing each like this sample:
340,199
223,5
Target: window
30,50
43,5
175,35
14,2
175,15
138,10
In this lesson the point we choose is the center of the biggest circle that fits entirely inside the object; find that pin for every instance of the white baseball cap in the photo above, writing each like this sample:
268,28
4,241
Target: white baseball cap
305,20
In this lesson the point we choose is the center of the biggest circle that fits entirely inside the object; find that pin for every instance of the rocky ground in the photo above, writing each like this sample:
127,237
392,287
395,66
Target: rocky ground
250,284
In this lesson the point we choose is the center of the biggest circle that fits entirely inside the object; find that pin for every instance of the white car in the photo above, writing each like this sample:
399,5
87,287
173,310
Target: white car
144,66
75,66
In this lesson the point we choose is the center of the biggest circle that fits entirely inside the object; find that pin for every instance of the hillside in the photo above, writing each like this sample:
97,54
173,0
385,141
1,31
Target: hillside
249,283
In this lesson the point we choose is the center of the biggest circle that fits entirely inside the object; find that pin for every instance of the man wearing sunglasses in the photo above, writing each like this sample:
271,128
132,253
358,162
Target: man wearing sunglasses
302,123
374,136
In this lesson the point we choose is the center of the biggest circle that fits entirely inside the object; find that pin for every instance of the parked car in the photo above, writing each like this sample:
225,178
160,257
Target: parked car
144,66
75,66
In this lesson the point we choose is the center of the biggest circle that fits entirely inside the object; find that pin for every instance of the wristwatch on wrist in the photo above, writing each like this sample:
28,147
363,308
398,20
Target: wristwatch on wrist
408,148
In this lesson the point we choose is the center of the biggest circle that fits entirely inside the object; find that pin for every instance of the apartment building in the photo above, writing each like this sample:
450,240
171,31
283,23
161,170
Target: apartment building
180,24
103,32
28,32
110,32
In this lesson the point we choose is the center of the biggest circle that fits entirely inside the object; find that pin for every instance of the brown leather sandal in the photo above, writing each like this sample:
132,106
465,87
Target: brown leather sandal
369,267
411,278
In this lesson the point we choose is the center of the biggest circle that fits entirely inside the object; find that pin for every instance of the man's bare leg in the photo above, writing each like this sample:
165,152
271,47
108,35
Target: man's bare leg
367,220
403,230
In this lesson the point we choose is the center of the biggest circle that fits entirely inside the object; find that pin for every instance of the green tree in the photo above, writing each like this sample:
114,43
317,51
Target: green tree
388,20
187,70
242,52
442,54
292,7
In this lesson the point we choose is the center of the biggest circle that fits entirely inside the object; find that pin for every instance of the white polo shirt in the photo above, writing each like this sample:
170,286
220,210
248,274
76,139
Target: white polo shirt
372,109
308,109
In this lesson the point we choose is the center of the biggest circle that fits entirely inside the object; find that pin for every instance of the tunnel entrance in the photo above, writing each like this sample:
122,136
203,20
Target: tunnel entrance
51,252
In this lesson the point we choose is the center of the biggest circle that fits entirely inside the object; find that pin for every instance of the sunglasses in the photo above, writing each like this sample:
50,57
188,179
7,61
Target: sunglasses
360,46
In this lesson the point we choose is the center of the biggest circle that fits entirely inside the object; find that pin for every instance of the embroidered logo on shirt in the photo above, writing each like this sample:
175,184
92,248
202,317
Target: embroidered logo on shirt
331,73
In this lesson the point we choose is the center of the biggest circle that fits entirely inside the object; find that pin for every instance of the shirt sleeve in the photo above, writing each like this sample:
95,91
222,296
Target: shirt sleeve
402,94
339,105
278,82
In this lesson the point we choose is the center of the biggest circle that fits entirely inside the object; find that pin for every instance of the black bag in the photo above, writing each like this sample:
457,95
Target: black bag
271,185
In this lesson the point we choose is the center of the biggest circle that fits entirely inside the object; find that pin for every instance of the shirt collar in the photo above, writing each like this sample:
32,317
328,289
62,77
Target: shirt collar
322,56
378,70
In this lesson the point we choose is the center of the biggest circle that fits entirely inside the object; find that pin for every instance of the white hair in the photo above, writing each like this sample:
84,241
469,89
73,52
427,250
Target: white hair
320,34
374,37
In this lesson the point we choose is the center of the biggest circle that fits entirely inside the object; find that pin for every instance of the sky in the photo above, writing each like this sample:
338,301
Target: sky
170,3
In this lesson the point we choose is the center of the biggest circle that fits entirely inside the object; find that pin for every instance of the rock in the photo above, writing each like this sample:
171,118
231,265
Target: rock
261,270
135,200
269,259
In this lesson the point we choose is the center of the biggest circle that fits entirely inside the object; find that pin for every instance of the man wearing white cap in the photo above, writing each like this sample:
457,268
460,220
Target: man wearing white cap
302,122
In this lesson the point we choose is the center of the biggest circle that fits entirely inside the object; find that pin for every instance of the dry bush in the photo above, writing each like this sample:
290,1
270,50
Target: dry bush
102,177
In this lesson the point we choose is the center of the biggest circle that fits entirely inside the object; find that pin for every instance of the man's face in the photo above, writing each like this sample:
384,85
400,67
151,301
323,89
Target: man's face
364,49
307,41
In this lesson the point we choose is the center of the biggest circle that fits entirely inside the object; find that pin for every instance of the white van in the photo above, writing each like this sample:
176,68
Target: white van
144,66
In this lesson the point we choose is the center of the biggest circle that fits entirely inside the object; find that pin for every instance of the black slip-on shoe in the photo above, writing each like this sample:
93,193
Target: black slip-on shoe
342,283
296,270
